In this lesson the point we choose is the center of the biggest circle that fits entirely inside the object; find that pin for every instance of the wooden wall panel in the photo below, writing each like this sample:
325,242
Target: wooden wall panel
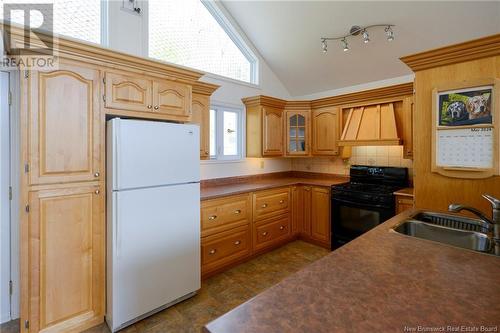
433,191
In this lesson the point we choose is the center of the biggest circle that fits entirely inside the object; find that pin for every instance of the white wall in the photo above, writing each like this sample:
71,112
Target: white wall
126,32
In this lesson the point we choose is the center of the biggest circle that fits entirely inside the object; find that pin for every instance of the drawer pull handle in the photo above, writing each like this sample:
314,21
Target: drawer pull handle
212,251
97,192
264,205
282,201
264,233
282,227
238,211
150,106
156,107
237,242
212,217
96,174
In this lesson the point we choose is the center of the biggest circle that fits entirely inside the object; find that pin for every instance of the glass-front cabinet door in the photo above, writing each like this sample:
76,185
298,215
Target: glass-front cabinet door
297,125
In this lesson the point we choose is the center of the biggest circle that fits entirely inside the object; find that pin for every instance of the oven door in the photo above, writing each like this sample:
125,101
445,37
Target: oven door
351,219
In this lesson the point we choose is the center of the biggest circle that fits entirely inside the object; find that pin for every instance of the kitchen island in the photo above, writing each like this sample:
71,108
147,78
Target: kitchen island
380,282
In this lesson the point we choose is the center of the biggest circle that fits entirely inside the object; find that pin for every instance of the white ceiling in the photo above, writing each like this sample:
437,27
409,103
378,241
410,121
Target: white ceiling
287,34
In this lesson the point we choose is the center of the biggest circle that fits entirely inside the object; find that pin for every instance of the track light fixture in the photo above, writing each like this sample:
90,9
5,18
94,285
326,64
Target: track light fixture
344,44
389,33
356,30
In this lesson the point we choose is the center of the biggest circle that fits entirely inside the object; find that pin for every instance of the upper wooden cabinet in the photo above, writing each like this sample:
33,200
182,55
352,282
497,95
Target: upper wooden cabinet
66,254
326,131
64,126
128,92
265,126
201,116
136,93
172,98
297,124
272,131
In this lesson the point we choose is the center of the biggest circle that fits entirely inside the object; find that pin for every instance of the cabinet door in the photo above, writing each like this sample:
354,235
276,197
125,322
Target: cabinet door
408,107
172,98
126,92
201,116
297,133
272,132
64,126
305,227
320,214
326,131
66,256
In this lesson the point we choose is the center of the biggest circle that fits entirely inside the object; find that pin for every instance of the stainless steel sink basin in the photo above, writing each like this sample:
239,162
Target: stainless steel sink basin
466,239
452,221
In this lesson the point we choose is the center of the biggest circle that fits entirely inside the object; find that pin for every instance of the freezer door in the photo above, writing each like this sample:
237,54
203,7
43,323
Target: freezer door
156,249
148,153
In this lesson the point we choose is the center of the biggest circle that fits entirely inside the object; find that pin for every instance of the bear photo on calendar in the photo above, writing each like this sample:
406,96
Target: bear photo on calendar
465,107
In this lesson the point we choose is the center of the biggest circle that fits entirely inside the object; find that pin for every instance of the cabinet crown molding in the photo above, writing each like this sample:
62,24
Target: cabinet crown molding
204,88
452,54
264,101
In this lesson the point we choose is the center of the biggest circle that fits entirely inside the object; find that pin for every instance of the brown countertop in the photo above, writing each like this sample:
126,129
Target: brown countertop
215,191
380,282
407,192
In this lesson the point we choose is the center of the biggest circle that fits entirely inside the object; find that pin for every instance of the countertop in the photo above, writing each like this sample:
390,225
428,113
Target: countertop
215,191
407,192
380,282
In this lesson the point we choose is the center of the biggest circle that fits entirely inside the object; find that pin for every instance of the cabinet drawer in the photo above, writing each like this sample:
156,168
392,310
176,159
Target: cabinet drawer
272,232
270,203
223,248
222,214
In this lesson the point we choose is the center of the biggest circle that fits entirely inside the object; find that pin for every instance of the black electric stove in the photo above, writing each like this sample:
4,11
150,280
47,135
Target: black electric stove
365,202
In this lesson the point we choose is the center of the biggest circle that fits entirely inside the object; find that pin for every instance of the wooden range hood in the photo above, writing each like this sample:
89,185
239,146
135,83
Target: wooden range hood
371,125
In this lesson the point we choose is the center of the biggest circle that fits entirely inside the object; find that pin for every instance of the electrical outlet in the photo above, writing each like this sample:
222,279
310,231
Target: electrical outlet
308,167
262,164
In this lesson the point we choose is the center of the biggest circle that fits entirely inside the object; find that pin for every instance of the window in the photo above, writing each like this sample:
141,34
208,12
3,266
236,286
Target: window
225,133
73,18
187,33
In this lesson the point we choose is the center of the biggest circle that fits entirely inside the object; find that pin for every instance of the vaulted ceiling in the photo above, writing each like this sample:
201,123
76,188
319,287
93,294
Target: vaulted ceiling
287,34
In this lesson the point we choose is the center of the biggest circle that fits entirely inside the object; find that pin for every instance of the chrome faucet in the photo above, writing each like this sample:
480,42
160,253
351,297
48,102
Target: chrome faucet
493,223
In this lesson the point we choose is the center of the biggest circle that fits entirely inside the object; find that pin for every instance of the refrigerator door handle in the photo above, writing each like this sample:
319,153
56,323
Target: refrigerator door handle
117,234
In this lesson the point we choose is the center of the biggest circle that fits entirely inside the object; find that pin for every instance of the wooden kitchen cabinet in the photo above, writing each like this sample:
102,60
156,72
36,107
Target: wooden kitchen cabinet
326,131
137,93
201,116
272,232
225,213
403,203
172,98
408,109
316,215
128,92
320,214
297,135
271,203
64,126
66,253
265,126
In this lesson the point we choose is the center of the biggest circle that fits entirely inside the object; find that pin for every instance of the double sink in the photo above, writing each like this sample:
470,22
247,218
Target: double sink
463,232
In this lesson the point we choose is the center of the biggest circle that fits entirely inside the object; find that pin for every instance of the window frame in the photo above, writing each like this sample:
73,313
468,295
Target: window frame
228,27
219,156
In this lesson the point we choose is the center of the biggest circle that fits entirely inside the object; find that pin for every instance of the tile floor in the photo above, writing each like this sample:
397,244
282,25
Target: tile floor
223,292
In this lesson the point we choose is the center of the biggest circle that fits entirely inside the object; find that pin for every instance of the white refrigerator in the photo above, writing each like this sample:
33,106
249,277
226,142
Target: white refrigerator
153,218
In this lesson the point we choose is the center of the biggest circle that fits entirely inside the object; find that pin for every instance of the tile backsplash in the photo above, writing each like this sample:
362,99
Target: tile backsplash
364,155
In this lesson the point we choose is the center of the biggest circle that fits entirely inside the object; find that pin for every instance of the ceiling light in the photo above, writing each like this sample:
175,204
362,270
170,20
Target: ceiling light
355,31
344,44
389,33
366,37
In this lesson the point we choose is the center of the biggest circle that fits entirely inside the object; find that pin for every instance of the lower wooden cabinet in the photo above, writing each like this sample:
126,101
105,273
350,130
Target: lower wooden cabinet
403,203
225,248
66,255
271,232
237,227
